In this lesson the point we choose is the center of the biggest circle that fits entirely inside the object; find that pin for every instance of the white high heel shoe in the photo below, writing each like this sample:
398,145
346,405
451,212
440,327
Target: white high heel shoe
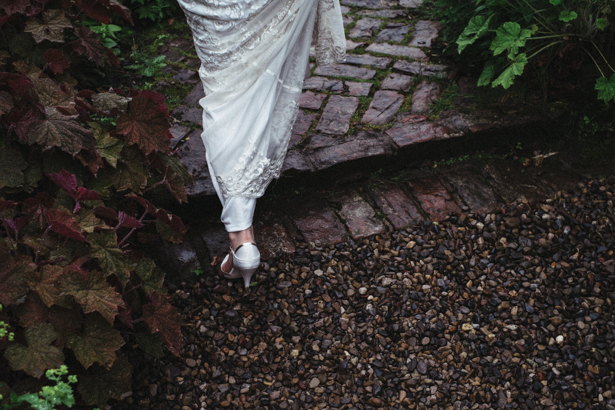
246,260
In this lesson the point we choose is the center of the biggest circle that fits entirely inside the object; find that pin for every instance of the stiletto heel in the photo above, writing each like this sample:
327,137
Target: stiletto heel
246,260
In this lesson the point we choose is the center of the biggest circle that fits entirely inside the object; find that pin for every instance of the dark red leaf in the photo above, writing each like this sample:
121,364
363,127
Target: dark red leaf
87,43
125,316
19,6
68,182
159,98
6,205
6,102
36,206
164,318
12,271
122,11
61,131
33,311
87,94
64,224
95,9
173,221
57,60
128,221
91,160
17,224
145,126
21,120
107,214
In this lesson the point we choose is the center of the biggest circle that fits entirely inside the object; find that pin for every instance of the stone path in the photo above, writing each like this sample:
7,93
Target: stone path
376,105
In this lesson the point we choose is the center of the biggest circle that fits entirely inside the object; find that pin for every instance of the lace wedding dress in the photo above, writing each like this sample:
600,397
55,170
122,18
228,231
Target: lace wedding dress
254,55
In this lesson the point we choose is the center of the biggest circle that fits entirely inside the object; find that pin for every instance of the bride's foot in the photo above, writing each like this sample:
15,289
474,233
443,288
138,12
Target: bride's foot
244,257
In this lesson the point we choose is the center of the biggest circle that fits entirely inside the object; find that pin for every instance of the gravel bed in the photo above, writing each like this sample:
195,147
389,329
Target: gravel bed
511,309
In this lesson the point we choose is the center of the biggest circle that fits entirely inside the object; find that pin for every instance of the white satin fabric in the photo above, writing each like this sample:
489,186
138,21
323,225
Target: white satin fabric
254,55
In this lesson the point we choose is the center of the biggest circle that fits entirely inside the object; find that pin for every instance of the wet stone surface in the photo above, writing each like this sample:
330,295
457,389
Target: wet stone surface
395,50
336,117
383,108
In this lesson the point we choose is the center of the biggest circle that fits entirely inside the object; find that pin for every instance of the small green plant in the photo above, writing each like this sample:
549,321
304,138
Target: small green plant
153,10
146,65
197,271
107,35
5,333
61,394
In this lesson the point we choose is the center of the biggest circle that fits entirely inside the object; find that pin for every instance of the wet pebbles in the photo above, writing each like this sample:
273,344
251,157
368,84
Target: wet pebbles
511,309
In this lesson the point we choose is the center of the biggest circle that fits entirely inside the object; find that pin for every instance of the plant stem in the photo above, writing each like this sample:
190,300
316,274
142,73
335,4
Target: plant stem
40,245
602,55
119,245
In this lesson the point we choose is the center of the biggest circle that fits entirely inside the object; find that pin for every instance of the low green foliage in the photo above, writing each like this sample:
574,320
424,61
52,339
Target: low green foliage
154,11
510,35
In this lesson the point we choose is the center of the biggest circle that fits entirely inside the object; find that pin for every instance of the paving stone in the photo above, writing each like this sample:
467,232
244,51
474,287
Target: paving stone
192,154
189,114
312,101
272,239
509,183
215,238
182,44
398,207
456,121
317,222
174,56
365,28
425,69
396,34
187,76
178,132
395,50
412,129
303,123
391,14
325,151
337,114
295,162
193,63
359,216
412,4
346,20
341,70
370,4
192,99
398,82
366,59
426,93
424,33
345,9
383,108
470,186
351,45
434,199
337,86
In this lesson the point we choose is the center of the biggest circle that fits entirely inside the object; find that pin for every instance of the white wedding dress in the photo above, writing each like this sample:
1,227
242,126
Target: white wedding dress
254,55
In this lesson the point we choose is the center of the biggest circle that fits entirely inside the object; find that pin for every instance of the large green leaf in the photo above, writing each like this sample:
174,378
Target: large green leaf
98,342
108,147
567,16
102,384
509,36
12,166
93,293
507,78
39,355
110,258
606,88
151,275
477,27
86,219
487,74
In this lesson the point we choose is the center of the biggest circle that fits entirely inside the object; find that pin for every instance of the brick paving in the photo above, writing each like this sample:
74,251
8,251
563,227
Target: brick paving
374,106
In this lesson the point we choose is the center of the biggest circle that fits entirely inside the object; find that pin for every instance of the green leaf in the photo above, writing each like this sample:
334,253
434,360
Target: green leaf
555,2
132,171
111,259
108,147
606,88
602,23
98,343
86,219
509,36
93,293
151,275
487,74
12,166
150,343
477,27
39,355
507,78
44,283
567,16
102,384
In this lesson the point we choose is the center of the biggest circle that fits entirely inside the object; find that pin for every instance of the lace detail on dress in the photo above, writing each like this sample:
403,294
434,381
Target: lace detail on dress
329,39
